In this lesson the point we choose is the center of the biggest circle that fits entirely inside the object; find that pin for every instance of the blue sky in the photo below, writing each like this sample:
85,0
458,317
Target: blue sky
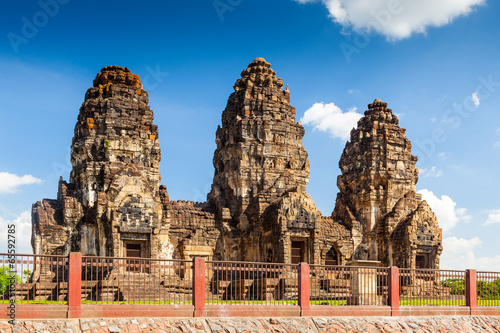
435,62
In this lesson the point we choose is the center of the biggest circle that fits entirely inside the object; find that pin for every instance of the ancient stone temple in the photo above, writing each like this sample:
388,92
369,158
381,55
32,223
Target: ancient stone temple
261,173
112,204
258,208
387,219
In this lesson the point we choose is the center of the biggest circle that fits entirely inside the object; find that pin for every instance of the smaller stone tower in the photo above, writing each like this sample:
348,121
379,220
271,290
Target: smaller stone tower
377,193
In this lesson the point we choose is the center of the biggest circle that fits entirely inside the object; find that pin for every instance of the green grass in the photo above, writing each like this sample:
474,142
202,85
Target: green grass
483,302
136,302
437,302
434,302
262,302
6,301
215,302
402,302
328,302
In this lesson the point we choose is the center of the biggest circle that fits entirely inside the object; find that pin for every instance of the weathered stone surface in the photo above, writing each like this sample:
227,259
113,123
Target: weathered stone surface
257,209
259,146
408,324
377,199
193,229
471,324
112,198
259,162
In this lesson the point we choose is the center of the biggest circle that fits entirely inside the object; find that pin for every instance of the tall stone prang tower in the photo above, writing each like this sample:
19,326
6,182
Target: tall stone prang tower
378,197
259,159
111,204
257,209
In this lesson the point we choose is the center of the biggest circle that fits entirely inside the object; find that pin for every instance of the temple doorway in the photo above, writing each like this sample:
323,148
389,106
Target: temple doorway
331,258
134,250
298,252
422,261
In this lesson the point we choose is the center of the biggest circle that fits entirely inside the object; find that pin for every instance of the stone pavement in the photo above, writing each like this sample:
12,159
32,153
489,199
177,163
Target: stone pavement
240,325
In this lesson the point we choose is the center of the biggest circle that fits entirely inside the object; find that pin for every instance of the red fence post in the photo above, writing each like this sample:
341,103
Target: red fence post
393,290
304,288
75,285
471,290
198,286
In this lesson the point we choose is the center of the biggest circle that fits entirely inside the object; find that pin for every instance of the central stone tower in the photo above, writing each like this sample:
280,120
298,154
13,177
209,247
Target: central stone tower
259,158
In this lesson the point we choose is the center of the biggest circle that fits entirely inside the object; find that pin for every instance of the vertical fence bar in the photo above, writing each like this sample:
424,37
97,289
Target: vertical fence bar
198,286
471,290
304,288
488,289
75,285
393,290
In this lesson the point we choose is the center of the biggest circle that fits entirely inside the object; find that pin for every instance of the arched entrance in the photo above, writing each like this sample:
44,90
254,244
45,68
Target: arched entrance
331,257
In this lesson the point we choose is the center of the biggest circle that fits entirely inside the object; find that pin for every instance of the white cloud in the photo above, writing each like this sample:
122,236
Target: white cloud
433,172
443,155
460,245
22,233
353,91
475,99
458,253
396,19
497,144
9,182
330,118
433,119
493,216
448,215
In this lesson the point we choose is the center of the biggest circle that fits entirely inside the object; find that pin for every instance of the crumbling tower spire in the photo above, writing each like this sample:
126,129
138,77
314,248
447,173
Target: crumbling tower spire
113,197
114,129
377,184
259,154
261,171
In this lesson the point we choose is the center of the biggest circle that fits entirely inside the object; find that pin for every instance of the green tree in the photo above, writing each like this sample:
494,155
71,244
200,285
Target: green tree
488,290
457,286
6,278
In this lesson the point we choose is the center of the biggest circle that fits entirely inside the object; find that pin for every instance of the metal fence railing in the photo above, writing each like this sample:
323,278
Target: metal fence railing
33,279
488,288
136,281
346,285
431,287
231,282
44,279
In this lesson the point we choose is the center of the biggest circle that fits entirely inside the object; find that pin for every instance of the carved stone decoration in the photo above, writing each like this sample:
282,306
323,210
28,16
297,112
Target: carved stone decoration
257,209
259,128
417,240
114,183
377,188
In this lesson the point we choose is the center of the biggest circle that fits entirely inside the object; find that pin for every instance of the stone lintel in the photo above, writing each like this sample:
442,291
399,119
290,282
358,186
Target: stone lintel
365,263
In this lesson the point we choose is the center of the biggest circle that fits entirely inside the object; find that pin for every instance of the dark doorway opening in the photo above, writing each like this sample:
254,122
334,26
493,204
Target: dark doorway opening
421,261
297,252
134,251
331,258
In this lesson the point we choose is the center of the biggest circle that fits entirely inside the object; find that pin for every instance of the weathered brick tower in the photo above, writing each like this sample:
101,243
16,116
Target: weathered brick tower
377,198
111,205
258,145
257,208
260,167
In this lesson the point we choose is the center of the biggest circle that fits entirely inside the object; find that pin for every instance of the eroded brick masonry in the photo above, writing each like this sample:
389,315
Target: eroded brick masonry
258,208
